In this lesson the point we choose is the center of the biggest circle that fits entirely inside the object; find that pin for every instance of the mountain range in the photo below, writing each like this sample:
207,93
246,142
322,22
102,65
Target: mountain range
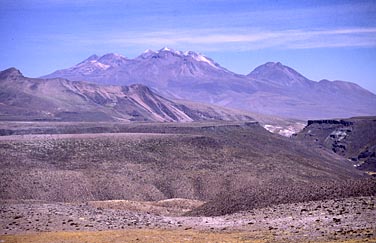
271,88
23,98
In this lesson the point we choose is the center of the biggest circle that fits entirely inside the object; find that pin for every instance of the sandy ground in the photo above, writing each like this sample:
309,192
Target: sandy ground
345,220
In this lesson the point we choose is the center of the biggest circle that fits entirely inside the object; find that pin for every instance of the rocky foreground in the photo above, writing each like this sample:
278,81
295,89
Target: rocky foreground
339,220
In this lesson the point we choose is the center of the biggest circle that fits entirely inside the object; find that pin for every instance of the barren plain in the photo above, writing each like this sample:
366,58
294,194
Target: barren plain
196,182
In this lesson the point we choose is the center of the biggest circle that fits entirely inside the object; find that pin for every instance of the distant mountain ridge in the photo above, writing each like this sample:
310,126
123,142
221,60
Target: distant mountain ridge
59,99
278,74
271,88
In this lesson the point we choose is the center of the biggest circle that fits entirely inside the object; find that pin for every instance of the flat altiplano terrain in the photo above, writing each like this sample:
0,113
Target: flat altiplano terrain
337,220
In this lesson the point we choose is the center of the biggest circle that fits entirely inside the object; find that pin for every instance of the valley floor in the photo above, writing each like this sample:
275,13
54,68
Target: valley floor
340,220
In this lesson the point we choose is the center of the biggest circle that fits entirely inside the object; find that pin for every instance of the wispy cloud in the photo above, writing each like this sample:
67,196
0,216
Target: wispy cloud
199,25
211,39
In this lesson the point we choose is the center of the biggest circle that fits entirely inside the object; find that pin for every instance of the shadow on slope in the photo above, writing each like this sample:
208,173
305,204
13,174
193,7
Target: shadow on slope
275,193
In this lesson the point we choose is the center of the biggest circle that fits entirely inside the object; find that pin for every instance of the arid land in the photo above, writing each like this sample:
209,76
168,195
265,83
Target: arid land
172,183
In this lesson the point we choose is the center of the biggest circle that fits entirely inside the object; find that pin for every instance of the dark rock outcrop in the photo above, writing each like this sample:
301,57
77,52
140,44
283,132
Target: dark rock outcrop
353,138
340,122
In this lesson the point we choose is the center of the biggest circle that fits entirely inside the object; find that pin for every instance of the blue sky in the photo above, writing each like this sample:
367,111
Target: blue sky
335,40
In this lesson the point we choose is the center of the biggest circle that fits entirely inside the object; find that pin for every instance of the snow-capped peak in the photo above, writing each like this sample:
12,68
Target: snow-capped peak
90,65
113,59
196,56
180,53
104,62
148,51
166,49
112,56
100,65
190,53
118,55
201,58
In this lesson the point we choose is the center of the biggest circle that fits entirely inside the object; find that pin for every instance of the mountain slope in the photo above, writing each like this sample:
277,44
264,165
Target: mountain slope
186,75
159,161
271,88
24,98
286,92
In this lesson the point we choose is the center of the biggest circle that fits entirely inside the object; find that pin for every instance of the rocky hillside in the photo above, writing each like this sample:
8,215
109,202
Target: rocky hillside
23,98
161,160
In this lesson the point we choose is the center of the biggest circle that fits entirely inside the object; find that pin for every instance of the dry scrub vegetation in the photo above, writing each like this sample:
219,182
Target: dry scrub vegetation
139,179
191,161
317,221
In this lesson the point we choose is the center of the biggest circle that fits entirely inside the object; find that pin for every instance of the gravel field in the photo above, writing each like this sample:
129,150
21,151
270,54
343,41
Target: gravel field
319,221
